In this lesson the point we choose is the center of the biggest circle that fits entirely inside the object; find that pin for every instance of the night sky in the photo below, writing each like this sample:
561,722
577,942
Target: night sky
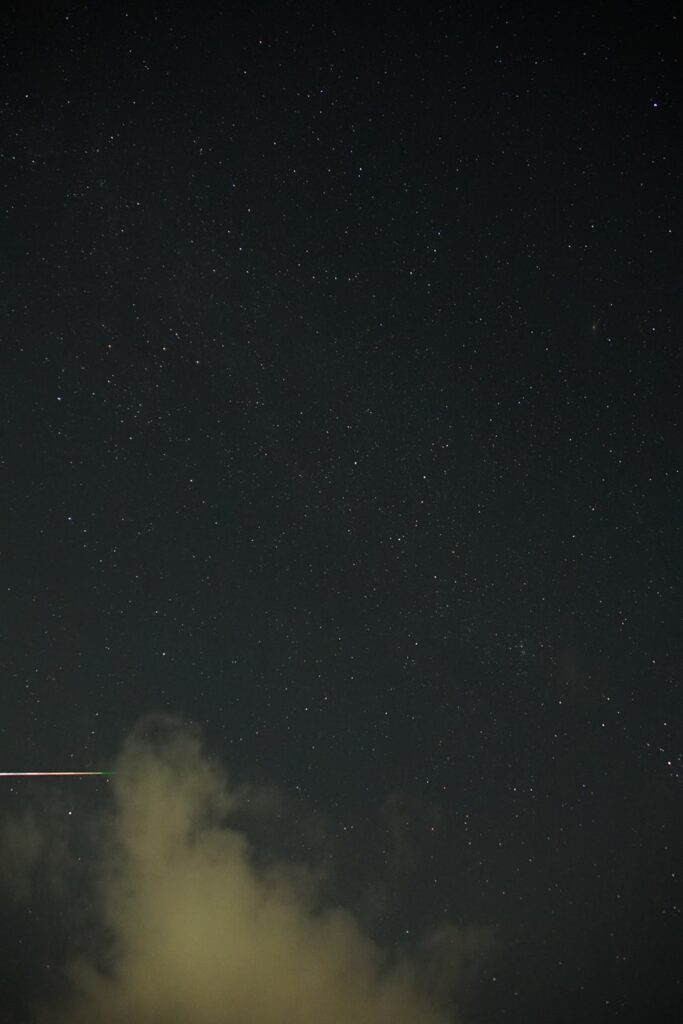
341,366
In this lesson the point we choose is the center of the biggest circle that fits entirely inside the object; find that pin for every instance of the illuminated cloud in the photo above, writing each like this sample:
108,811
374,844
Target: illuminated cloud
190,929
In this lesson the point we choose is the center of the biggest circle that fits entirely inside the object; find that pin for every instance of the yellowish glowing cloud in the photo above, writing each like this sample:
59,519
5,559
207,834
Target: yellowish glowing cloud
196,932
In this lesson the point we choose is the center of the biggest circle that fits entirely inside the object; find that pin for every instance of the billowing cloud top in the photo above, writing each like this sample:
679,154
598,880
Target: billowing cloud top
196,932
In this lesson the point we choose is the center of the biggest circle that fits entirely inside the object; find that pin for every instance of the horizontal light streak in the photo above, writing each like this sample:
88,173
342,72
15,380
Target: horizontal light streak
42,775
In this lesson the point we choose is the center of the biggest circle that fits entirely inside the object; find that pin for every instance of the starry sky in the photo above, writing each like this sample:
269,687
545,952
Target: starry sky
340,415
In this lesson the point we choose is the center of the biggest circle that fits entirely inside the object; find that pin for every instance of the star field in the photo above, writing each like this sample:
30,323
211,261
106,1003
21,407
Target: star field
342,403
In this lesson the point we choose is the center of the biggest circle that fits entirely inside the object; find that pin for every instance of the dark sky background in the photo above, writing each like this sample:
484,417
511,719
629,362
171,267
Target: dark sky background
341,417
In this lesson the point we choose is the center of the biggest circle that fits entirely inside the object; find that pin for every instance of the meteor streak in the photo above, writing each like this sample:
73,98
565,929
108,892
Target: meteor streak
22,775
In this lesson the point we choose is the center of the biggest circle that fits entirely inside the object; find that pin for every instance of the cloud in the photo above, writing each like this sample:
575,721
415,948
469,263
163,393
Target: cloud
191,926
